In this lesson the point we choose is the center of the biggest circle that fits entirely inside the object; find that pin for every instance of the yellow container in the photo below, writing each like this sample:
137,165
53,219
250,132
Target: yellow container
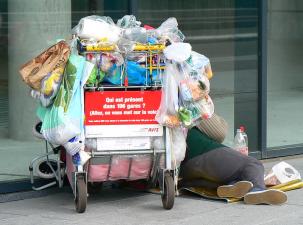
157,47
96,48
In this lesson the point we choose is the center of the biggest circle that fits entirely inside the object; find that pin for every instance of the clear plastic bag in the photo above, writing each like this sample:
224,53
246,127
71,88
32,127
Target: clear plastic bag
128,21
99,28
91,144
177,143
167,114
135,34
200,65
169,30
157,143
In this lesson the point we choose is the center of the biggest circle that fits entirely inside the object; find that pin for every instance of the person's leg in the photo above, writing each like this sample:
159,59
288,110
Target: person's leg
217,167
255,192
224,166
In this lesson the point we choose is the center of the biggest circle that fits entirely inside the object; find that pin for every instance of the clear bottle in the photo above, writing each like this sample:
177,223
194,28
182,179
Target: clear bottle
241,141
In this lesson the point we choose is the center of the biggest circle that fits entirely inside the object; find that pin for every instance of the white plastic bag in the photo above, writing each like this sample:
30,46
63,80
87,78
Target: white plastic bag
178,146
99,28
281,173
178,52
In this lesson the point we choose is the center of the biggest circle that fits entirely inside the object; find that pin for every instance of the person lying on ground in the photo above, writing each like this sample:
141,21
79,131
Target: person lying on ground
210,164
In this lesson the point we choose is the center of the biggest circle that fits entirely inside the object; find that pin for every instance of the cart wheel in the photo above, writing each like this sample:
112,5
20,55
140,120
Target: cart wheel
168,196
94,187
81,195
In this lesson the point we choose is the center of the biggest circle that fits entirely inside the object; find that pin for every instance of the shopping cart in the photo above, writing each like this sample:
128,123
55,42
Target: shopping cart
121,134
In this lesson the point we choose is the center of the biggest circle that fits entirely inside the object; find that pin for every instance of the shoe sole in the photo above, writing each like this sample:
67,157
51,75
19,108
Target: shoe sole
238,190
269,197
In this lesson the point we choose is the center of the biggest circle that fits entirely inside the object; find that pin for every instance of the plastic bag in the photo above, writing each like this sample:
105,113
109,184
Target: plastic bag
177,143
44,100
205,108
178,52
167,114
128,21
136,74
64,120
99,28
157,143
91,144
169,30
200,65
135,34
281,173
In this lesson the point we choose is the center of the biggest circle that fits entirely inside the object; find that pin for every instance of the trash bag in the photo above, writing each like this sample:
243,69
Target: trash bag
135,34
177,141
200,65
178,52
167,114
169,30
128,21
99,28
133,73
64,119
136,74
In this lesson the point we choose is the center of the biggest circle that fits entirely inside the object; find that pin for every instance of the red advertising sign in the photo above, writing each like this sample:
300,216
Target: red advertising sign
121,107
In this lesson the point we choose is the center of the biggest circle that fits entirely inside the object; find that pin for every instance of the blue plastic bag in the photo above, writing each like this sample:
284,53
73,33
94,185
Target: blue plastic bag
136,75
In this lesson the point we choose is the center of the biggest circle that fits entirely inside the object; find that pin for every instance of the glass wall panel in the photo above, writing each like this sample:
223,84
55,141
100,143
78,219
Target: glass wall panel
285,81
26,29
226,32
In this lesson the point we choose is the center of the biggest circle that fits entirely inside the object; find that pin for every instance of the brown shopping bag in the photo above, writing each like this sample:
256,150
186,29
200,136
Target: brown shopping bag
52,60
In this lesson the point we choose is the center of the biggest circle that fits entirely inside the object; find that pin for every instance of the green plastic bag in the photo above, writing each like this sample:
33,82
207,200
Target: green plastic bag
63,120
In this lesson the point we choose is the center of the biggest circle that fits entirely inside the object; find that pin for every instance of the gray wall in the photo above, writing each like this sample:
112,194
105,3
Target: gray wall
33,26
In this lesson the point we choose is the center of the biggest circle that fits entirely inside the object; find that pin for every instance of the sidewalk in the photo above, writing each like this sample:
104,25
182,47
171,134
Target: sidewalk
118,206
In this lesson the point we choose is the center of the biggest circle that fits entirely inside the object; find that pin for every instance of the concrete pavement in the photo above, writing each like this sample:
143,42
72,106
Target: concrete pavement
118,206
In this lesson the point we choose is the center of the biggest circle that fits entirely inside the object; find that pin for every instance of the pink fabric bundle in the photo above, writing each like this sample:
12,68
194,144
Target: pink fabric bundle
140,169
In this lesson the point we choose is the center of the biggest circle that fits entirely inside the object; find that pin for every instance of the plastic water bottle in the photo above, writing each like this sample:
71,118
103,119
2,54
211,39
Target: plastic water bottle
241,141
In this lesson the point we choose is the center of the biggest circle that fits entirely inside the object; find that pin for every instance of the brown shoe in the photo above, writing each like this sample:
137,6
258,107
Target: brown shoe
237,190
269,197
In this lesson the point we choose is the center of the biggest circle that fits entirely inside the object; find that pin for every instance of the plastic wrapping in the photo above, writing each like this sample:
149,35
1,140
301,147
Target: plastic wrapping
281,173
135,34
178,52
91,144
169,30
44,100
167,114
98,28
74,145
178,146
136,74
200,65
128,21
157,143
